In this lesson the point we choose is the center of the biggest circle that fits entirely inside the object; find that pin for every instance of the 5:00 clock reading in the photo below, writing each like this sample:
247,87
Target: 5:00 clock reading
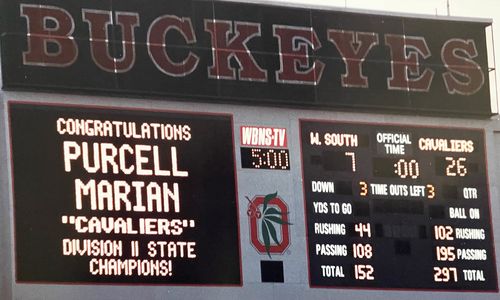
264,158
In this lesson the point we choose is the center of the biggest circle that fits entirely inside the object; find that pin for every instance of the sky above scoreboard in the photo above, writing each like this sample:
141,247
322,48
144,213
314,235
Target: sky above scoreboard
489,9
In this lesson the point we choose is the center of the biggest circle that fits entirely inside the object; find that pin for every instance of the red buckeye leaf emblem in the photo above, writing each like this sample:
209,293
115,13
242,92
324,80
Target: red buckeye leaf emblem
273,218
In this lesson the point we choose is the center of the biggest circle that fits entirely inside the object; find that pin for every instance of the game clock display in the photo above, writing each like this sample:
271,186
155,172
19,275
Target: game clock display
397,207
265,158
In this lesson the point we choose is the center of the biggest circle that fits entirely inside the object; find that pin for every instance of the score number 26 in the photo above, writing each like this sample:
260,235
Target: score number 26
456,166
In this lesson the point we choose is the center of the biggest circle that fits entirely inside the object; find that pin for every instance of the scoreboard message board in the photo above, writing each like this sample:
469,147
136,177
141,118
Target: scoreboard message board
397,207
124,196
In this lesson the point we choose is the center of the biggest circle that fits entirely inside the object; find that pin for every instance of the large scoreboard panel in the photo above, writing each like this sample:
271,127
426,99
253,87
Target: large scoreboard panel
106,195
396,206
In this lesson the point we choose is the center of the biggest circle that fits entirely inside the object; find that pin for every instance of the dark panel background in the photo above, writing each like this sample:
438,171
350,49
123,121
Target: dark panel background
43,192
405,258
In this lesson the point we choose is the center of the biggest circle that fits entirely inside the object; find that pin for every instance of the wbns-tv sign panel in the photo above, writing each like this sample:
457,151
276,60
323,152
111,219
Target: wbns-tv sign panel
247,53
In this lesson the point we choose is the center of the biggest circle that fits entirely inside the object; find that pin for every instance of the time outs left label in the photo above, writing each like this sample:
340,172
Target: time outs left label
123,196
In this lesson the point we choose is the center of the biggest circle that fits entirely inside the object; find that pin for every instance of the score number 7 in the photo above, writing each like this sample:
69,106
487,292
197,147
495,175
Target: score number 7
353,159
